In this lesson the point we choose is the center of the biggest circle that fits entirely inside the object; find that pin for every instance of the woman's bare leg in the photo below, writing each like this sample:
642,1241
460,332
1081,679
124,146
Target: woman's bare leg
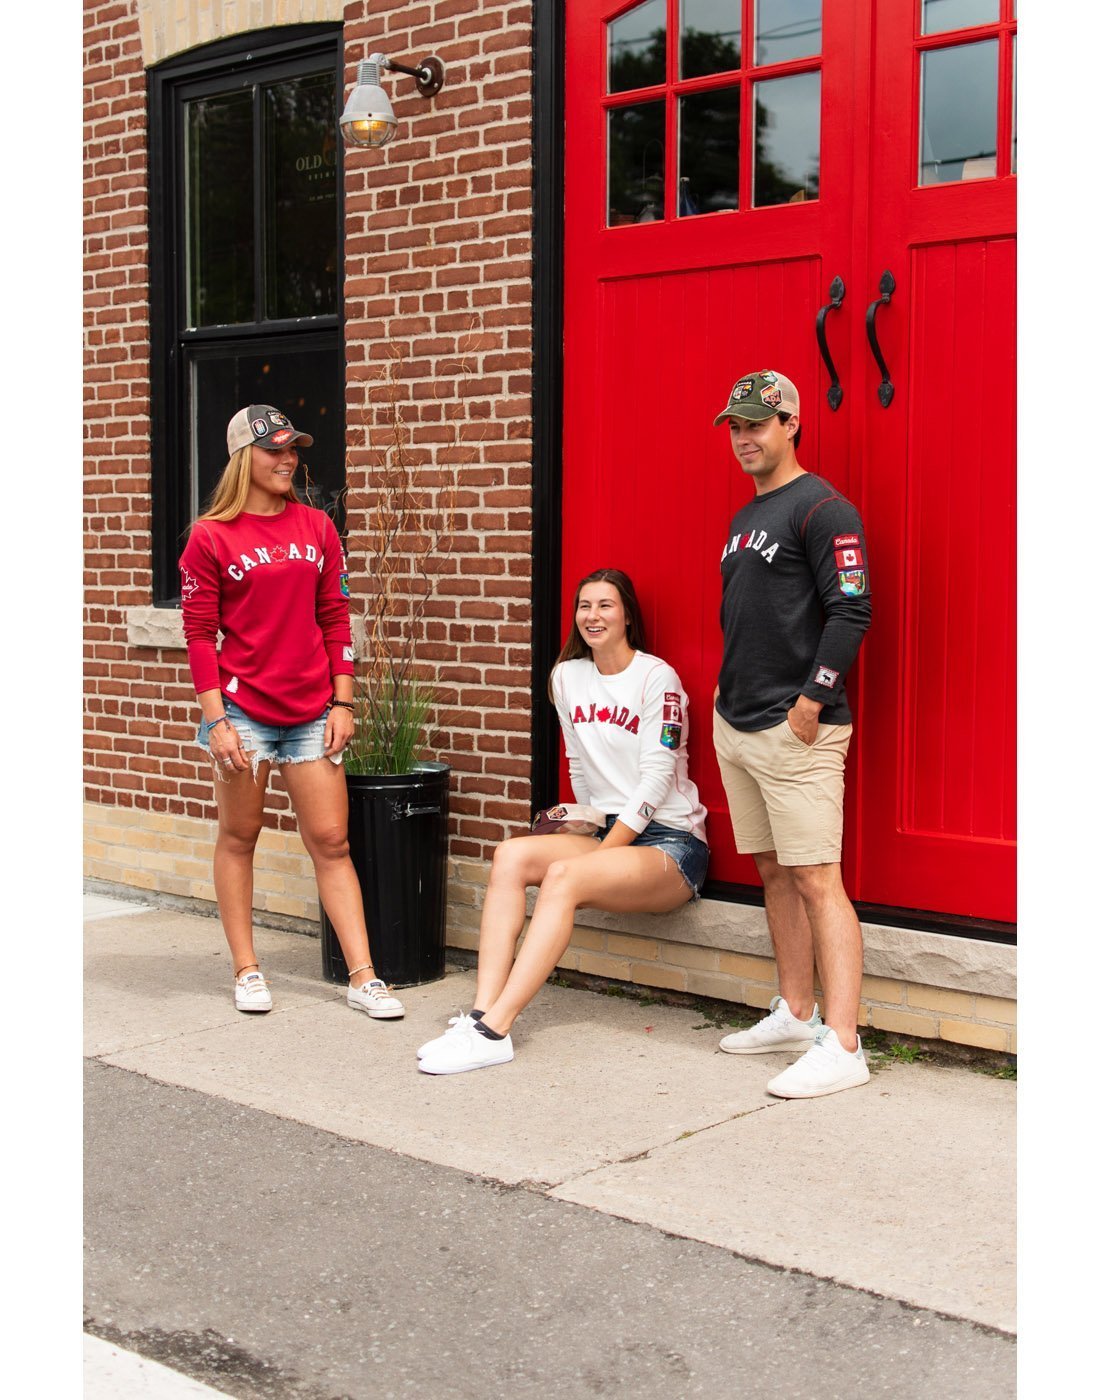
517,863
319,796
240,798
623,880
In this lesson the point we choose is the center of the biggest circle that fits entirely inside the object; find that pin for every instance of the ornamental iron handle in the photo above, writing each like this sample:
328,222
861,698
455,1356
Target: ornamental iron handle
886,286
836,296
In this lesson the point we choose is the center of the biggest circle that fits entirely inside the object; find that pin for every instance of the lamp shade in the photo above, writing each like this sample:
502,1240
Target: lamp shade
367,118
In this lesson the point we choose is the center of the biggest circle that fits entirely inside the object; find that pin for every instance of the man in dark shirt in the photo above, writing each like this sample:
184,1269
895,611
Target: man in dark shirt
796,601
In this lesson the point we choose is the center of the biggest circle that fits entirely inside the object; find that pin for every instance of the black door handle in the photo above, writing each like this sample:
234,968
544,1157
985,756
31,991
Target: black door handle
836,293
886,286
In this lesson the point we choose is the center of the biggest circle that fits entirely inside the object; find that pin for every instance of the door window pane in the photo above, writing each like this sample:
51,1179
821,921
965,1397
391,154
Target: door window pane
787,29
220,267
938,16
636,47
959,113
710,150
305,382
1014,104
710,37
636,164
787,128
300,209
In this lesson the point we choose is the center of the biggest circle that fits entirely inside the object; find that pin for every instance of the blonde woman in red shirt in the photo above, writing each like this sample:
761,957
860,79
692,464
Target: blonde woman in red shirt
267,572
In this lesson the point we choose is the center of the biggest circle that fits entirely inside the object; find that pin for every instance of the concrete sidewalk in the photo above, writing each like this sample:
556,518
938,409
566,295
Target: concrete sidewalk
903,1188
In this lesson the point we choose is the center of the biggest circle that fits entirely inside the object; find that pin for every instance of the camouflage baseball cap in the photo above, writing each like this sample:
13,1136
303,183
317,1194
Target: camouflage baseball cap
261,423
760,395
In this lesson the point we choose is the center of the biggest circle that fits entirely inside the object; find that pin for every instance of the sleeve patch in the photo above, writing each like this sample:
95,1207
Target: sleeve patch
344,587
826,677
853,582
189,584
646,811
670,736
349,653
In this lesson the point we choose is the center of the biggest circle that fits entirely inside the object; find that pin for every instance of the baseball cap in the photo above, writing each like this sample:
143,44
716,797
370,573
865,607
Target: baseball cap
760,395
261,423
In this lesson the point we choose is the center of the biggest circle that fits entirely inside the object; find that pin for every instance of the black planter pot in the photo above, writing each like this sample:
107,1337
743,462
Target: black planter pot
397,829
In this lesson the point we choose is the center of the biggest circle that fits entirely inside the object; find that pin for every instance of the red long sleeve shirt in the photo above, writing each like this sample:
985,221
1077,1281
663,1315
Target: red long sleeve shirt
276,588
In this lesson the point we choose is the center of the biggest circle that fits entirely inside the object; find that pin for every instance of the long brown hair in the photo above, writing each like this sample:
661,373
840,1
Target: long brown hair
575,645
228,497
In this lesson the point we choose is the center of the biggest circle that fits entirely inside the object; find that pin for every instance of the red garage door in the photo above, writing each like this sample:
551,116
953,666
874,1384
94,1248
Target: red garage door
733,167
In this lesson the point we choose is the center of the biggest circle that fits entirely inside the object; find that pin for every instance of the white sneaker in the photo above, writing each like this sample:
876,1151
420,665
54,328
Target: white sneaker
466,1048
376,999
250,993
453,1025
825,1068
779,1030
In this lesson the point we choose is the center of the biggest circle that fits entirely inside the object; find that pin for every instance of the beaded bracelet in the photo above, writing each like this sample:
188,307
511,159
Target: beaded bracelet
343,704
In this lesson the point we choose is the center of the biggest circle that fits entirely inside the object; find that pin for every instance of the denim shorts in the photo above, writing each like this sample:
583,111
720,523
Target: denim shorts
690,854
273,743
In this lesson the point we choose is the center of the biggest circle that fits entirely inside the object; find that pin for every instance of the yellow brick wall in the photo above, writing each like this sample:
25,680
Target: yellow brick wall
170,26
171,854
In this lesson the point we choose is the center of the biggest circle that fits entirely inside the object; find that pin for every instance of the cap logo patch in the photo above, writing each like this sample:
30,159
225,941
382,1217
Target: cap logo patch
853,582
280,420
826,677
259,426
772,396
741,390
769,377
277,439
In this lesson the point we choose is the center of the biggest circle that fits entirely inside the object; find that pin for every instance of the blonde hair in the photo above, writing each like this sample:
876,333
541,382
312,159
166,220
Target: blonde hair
228,497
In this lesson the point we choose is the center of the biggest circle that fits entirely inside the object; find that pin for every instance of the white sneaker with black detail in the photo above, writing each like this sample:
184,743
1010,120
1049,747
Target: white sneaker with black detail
466,1048
779,1030
251,993
454,1026
825,1068
376,999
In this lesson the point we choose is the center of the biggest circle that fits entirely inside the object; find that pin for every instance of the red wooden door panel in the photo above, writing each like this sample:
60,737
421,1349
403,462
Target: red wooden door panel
664,307
660,317
937,778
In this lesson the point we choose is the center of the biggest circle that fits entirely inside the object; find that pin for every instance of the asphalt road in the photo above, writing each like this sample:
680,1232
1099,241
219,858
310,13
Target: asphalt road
268,1258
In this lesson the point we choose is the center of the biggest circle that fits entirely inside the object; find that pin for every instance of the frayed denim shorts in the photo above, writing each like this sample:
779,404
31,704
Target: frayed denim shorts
272,743
691,855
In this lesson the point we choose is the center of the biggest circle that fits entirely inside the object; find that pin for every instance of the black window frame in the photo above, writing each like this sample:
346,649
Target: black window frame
292,50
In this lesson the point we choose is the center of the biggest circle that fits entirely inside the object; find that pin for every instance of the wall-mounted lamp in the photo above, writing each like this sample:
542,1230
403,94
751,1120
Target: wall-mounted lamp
368,119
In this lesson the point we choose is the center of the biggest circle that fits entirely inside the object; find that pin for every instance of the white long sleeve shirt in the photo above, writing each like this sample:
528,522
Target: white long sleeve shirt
626,742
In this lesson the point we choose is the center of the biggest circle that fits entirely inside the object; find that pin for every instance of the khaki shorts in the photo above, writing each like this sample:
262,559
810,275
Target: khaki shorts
784,796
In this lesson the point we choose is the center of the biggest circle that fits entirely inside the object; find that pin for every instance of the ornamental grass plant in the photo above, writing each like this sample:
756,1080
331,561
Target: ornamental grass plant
410,509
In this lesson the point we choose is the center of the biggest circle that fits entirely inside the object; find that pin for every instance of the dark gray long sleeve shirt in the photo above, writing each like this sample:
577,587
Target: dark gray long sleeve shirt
796,601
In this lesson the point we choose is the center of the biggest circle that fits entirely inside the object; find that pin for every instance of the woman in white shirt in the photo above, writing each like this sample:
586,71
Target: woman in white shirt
624,719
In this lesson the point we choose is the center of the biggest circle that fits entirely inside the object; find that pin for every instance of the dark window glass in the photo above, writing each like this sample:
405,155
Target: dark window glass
220,246
787,29
710,37
937,16
636,48
307,384
959,113
636,163
245,264
710,150
787,129
300,210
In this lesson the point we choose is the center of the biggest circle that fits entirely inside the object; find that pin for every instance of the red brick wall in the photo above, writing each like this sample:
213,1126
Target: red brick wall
438,270
438,241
